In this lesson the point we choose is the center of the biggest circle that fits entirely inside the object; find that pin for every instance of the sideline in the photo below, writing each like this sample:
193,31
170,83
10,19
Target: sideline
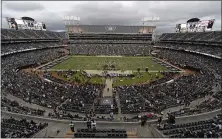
166,62
110,122
63,57
63,120
111,56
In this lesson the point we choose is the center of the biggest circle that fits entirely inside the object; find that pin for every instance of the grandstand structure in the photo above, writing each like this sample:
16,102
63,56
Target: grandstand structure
110,31
30,90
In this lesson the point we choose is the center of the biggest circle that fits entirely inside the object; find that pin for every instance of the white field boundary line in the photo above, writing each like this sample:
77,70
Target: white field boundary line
63,120
51,62
180,70
67,121
108,56
118,71
112,56
168,64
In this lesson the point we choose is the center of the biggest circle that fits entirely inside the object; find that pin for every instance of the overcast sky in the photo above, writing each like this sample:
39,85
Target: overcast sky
113,12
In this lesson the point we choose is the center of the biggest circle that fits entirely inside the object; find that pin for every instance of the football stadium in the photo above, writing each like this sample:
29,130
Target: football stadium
111,80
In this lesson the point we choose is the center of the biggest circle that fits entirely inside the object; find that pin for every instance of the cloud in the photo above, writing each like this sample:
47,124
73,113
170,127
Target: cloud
4,23
105,13
115,12
23,6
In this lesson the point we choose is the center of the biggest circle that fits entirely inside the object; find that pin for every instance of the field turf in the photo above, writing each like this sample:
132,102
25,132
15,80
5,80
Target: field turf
83,79
142,78
97,63
121,63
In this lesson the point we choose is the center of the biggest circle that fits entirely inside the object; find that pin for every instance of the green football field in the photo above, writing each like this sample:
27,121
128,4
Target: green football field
121,63
97,63
144,77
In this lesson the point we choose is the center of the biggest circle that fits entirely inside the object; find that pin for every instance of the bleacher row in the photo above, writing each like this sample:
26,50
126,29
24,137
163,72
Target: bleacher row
207,128
16,47
214,36
13,128
105,109
111,49
213,51
14,106
156,103
111,41
105,29
100,133
10,34
110,38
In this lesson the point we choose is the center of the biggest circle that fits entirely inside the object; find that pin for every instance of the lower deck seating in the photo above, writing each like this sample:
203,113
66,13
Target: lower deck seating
100,133
13,128
106,109
211,128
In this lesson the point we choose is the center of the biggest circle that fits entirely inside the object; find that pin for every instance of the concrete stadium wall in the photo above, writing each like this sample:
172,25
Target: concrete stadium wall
155,132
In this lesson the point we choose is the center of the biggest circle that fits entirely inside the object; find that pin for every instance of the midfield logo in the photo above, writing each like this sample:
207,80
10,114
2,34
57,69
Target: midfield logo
110,28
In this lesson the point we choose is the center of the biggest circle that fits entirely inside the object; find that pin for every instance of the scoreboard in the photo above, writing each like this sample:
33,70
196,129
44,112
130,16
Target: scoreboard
25,24
198,26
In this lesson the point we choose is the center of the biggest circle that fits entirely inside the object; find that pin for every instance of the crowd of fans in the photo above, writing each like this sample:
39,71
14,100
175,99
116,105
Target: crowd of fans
13,128
14,106
211,128
82,106
40,91
28,34
103,41
111,49
13,47
34,89
110,35
214,36
136,98
106,109
82,98
205,106
92,132
212,103
181,91
207,49
153,97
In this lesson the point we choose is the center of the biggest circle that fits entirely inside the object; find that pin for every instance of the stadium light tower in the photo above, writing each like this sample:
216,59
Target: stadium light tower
71,23
151,21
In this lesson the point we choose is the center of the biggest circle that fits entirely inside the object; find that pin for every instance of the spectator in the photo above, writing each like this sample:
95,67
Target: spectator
88,123
159,120
93,124
72,126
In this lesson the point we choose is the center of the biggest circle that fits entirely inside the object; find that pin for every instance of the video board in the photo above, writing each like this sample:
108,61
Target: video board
181,27
198,26
25,24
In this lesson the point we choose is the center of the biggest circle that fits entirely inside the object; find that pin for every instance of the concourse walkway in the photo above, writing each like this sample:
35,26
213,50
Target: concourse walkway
108,84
